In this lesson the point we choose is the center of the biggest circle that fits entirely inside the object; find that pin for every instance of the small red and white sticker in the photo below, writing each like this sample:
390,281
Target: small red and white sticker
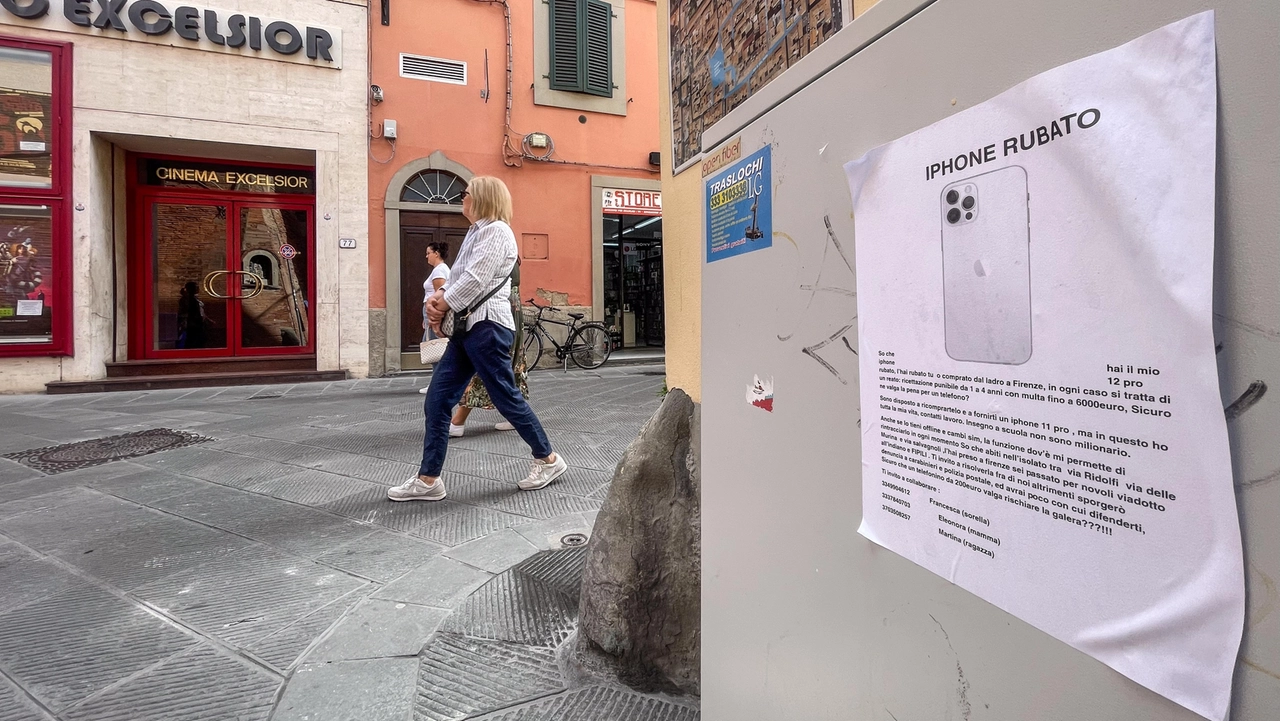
288,252
760,393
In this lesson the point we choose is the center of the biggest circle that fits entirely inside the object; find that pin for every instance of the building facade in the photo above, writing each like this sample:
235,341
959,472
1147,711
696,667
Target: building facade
560,100
181,191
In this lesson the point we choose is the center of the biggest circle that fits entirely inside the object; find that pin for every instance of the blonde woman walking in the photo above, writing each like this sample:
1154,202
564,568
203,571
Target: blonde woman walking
483,348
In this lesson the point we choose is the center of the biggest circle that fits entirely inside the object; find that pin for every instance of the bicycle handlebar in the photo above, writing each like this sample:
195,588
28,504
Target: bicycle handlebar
533,302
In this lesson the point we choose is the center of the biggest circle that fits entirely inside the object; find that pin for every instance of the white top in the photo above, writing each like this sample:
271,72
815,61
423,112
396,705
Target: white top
441,271
487,255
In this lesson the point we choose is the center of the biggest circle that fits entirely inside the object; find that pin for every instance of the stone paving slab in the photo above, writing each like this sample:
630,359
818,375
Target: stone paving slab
382,556
283,649
549,534
203,684
369,690
516,607
81,640
16,706
459,676
118,541
284,525
467,524
440,582
494,553
245,596
211,582
597,703
379,629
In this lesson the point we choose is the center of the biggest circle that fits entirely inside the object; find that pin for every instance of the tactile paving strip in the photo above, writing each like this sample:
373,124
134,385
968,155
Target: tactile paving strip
460,676
201,685
110,640
83,454
515,607
597,703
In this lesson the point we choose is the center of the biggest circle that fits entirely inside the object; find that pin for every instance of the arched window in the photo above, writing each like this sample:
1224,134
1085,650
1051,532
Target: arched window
434,186
265,265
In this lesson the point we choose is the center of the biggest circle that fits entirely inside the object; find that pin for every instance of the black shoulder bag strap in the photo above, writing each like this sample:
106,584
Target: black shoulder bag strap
461,319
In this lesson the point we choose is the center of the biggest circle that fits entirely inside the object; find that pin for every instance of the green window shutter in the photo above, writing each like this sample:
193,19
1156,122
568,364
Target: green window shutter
566,54
598,48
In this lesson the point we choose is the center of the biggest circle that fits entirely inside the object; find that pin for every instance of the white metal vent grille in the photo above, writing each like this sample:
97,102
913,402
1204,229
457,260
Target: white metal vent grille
439,70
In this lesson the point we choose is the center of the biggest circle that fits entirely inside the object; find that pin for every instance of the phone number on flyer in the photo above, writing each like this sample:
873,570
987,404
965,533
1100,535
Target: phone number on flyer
731,194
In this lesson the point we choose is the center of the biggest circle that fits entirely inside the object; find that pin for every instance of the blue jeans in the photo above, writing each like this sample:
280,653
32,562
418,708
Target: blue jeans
484,350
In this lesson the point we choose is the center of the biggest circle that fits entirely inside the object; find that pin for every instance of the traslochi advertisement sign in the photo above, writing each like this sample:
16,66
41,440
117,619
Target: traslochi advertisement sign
1042,422
181,25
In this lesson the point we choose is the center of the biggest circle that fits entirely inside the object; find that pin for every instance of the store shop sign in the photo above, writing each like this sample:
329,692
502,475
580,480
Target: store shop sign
220,176
182,26
618,201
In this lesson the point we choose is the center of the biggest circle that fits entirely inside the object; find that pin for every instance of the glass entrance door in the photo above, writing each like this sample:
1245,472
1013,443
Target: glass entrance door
274,286
188,279
227,278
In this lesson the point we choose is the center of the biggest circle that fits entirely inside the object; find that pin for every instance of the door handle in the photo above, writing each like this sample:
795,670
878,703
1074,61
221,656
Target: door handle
258,283
207,284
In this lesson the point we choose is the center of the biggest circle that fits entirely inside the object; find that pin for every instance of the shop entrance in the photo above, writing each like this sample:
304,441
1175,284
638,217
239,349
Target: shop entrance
222,259
634,305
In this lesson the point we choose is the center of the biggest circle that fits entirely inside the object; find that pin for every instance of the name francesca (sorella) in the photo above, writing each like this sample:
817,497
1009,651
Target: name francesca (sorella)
154,19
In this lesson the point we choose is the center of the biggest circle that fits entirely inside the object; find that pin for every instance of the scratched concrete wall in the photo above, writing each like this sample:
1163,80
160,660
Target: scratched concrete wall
803,618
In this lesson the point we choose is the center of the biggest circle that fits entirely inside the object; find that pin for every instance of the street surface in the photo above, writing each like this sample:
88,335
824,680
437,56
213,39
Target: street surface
245,564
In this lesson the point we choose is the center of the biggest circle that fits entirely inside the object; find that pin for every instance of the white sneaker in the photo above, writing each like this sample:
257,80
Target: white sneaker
456,431
423,390
504,426
415,490
541,474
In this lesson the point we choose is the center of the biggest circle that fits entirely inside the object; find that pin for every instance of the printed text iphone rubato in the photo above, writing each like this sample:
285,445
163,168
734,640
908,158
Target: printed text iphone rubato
986,267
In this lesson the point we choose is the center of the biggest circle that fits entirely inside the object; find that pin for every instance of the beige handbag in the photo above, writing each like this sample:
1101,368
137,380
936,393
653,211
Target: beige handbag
431,351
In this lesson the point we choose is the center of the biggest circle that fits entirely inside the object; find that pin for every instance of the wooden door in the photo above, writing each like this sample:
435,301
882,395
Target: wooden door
416,231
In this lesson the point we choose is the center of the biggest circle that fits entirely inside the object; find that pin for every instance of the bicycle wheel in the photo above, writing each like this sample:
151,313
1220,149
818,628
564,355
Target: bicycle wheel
590,346
532,348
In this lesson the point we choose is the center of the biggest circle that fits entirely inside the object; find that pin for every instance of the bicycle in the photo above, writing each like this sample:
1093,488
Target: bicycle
589,344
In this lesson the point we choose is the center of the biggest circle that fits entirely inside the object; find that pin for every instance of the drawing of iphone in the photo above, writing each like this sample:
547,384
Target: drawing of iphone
986,267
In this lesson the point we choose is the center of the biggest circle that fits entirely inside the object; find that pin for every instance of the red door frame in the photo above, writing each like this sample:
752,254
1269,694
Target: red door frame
141,291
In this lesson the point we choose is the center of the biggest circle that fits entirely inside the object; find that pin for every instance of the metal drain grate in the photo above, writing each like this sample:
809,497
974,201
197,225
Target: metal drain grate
83,454
574,539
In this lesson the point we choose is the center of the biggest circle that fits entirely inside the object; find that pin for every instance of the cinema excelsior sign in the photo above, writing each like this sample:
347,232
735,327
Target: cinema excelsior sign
183,26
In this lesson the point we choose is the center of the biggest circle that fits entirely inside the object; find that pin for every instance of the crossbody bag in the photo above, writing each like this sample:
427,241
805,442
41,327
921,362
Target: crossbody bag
455,322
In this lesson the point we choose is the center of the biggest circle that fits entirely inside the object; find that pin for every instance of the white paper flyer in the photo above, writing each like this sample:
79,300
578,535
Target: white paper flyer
1042,422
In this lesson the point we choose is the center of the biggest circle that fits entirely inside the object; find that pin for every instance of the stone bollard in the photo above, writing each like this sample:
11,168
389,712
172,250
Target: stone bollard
640,612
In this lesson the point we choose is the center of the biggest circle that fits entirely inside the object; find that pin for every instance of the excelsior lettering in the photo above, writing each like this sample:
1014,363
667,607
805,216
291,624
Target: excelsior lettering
153,18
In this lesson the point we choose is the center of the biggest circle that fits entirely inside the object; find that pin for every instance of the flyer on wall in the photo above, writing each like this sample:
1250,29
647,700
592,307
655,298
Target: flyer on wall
740,207
1042,423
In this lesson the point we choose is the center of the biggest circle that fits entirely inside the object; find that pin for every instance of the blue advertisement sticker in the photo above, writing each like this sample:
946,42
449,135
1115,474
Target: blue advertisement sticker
740,208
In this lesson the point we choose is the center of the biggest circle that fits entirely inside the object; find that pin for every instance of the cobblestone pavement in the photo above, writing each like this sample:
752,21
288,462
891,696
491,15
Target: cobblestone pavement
229,553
